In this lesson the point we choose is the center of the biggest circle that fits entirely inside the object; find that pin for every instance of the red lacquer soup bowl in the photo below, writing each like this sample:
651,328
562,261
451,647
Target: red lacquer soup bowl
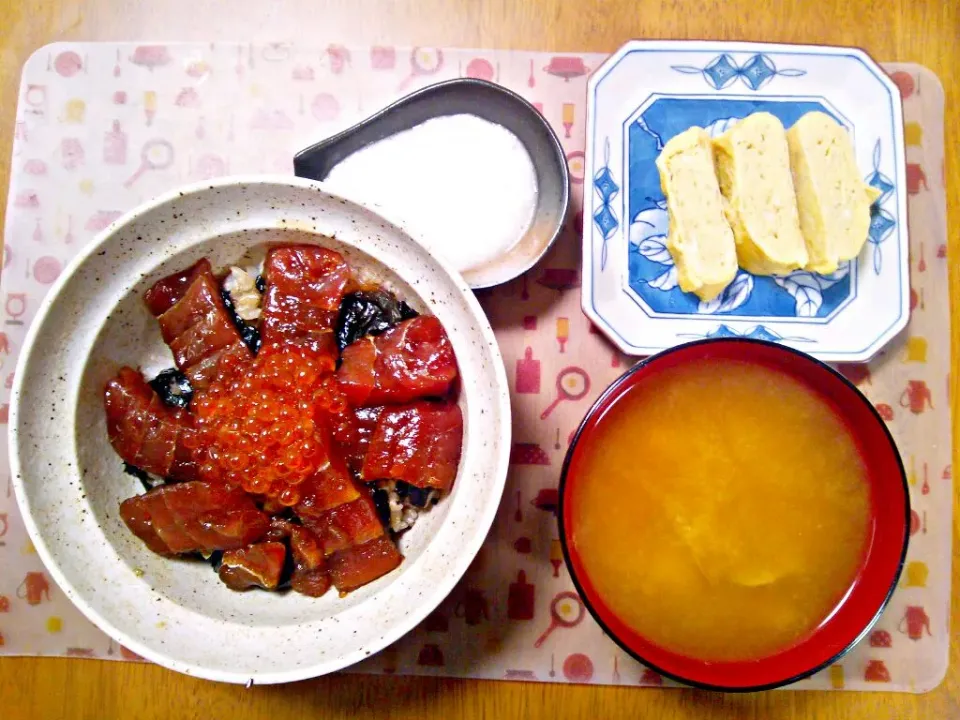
881,563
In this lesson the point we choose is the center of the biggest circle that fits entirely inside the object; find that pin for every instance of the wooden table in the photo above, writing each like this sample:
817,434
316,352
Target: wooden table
923,31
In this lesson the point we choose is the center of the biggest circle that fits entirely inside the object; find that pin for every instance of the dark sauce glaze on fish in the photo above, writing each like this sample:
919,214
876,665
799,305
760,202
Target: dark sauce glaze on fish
376,384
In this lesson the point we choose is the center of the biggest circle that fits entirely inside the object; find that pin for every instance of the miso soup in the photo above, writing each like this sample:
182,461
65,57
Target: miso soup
721,510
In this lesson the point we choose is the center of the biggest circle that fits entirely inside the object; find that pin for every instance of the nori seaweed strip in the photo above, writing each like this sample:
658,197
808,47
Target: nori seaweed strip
381,499
412,494
148,481
369,312
173,387
249,333
406,312
286,574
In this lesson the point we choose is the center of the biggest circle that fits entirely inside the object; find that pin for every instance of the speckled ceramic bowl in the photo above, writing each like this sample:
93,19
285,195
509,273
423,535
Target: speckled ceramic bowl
69,482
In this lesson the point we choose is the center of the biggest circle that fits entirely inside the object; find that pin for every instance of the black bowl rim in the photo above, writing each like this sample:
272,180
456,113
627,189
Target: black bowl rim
614,387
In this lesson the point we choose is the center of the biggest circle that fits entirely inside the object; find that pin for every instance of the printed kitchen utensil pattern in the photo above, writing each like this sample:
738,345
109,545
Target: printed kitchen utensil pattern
101,127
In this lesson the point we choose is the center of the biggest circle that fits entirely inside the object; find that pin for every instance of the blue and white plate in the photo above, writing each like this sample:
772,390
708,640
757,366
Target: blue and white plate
646,93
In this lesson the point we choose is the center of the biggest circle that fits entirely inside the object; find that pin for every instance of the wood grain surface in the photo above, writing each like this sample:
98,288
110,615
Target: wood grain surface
922,31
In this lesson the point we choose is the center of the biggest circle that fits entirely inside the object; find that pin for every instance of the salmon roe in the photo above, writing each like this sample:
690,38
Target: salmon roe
265,429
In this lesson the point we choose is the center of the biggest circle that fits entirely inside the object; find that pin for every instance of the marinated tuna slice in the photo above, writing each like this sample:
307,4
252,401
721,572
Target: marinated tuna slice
166,293
417,443
328,487
369,312
362,564
280,529
352,523
310,576
270,432
338,512
144,431
220,365
352,431
271,506
196,325
305,284
194,517
138,518
411,360
257,565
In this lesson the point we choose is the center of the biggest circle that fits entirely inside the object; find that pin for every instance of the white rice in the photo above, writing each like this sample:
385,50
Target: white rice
242,287
402,515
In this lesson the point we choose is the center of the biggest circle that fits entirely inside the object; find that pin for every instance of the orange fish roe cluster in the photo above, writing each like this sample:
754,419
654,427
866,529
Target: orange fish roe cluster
264,429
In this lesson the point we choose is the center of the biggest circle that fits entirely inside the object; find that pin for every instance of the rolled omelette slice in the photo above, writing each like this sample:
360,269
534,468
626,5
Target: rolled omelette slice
832,198
753,168
699,239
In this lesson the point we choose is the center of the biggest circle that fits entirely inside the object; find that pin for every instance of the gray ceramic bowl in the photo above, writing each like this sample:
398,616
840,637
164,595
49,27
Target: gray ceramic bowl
492,103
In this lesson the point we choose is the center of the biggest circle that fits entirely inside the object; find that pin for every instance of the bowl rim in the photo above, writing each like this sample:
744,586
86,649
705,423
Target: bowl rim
601,401
163,658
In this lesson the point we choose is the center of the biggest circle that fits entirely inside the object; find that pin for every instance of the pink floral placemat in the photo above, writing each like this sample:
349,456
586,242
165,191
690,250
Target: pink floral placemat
101,127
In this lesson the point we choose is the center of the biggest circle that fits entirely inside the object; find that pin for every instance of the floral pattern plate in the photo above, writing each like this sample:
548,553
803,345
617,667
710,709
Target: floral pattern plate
646,93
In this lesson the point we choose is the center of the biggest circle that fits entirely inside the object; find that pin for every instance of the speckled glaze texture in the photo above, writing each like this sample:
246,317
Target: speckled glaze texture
69,482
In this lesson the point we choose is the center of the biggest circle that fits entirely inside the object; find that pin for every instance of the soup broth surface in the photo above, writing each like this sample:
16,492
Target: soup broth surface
721,511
